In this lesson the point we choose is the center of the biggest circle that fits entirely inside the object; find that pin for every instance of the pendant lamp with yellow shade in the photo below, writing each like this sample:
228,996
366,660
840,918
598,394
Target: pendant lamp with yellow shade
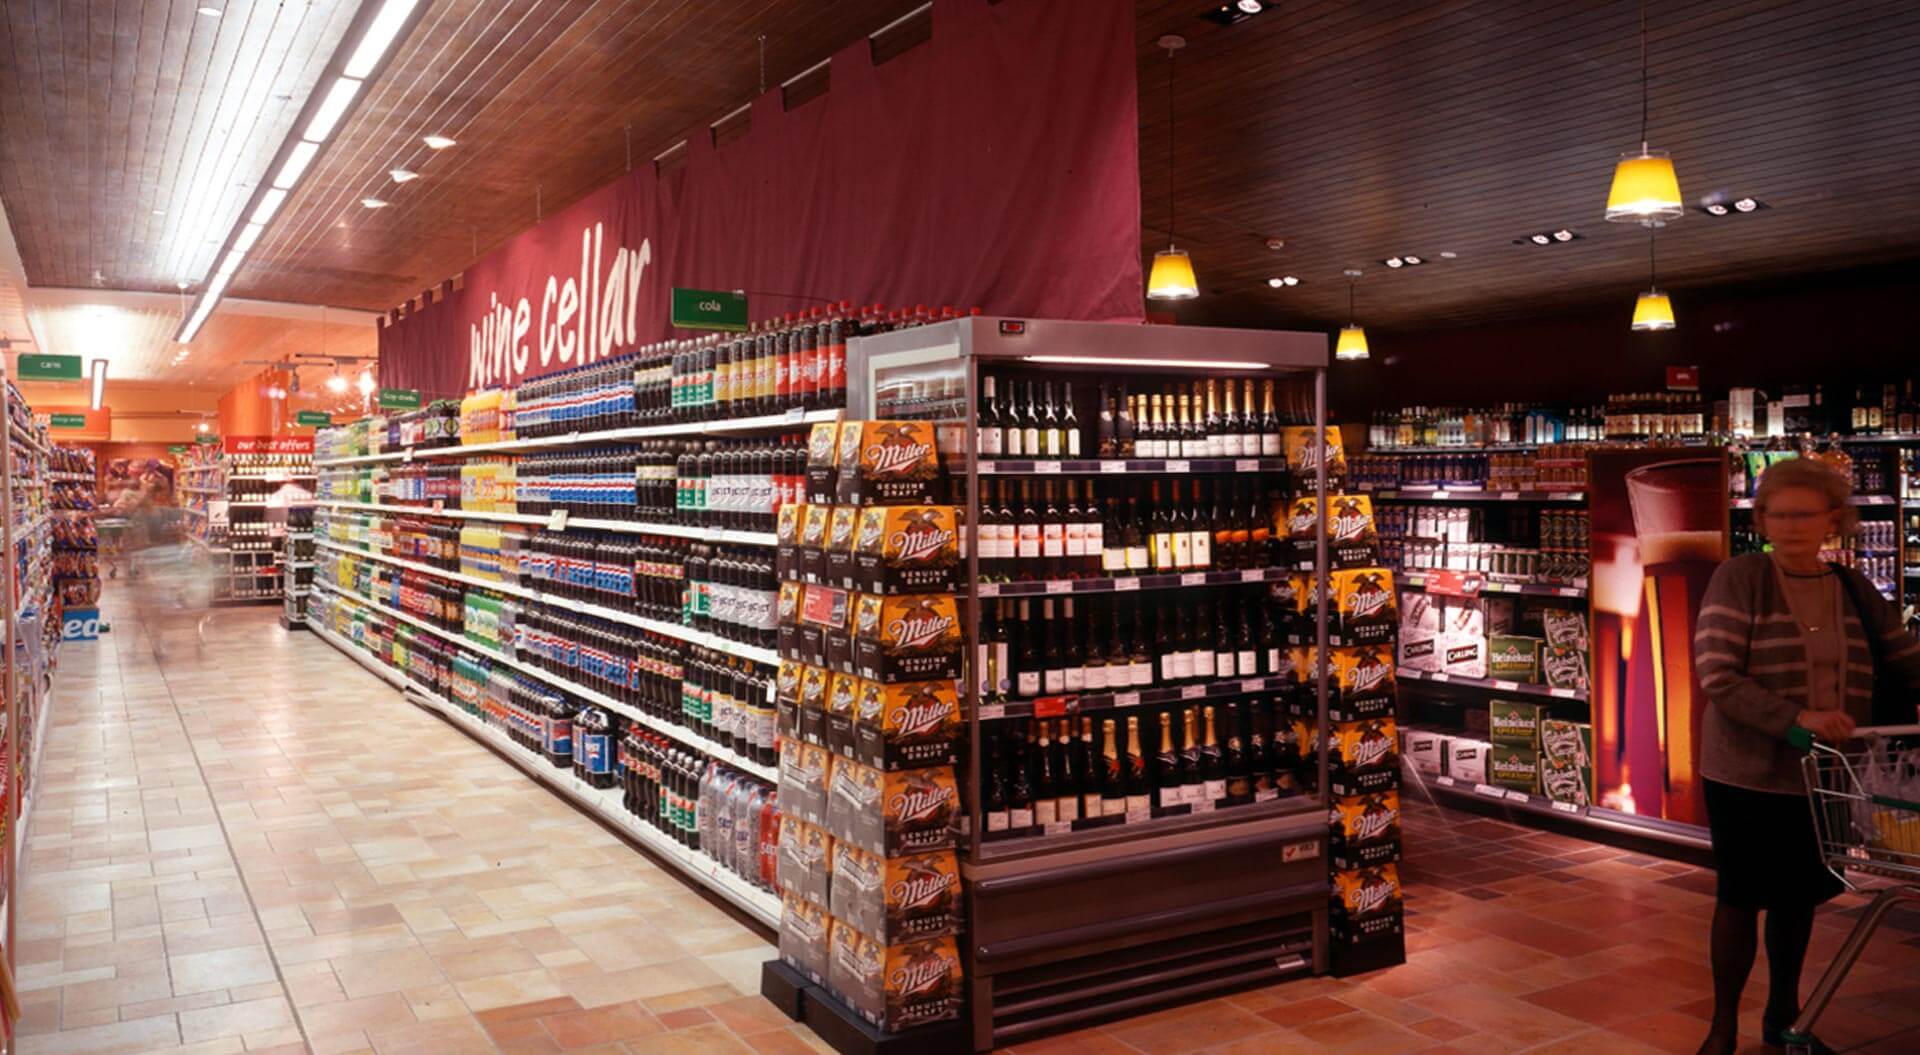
1352,345
1653,311
1172,276
1645,188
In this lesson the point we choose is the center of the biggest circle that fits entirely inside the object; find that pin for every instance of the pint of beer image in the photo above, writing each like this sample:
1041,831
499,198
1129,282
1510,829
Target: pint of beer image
1616,591
1679,517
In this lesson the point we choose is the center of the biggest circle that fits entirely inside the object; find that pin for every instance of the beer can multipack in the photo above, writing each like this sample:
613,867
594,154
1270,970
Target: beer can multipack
1367,905
1352,540
1364,829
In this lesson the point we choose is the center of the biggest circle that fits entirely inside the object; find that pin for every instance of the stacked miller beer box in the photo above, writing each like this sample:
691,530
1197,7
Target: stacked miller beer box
1367,925
869,719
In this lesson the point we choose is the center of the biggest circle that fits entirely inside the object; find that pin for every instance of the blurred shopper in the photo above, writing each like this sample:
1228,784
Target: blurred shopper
1784,639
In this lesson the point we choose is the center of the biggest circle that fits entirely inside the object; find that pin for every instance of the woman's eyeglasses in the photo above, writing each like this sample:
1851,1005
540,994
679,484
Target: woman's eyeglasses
1796,518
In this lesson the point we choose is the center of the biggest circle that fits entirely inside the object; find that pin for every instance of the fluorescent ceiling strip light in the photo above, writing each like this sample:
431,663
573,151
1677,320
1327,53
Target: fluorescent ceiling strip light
380,33
269,204
99,382
232,262
296,166
332,108
1103,360
248,235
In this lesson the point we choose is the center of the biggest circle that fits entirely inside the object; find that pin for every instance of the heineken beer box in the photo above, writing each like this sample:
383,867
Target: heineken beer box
910,638
907,725
906,549
896,899
1513,658
1512,722
890,463
1364,605
1365,829
1514,766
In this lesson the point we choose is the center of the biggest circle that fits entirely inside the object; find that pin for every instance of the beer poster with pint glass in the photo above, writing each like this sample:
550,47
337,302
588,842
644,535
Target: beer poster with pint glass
1659,528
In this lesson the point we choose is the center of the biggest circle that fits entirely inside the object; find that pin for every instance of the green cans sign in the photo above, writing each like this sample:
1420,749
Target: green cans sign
206,439
706,309
399,399
178,448
319,417
68,421
49,368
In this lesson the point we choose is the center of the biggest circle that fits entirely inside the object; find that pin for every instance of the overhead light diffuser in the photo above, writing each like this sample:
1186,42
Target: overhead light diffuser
296,164
380,33
248,235
1172,276
232,262
436,142
1645,189
403,175
1108,360
99,382
373,203
269,204
332,108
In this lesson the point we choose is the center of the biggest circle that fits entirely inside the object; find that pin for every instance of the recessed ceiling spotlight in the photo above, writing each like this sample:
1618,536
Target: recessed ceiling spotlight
1236,11
1276,244
1540,239
373,203
1448,254
1276,283
1715,209
1563,235
1414,261
1723,205
403,175
1291,280
1393,261
1745,205
436,142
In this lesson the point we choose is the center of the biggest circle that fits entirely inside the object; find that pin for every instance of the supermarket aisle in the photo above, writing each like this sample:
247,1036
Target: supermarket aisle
257,846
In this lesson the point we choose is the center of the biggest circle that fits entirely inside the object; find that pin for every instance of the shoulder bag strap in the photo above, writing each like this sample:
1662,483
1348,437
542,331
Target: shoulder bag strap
1851,587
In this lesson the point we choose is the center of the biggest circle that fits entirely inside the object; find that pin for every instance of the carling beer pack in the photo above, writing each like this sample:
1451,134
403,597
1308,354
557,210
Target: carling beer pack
870,639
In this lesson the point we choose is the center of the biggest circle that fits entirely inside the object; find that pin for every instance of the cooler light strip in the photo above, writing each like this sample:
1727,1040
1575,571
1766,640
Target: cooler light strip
1204,364
355,61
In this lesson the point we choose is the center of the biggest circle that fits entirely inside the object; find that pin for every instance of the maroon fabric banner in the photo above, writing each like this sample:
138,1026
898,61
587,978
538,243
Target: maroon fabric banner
995,166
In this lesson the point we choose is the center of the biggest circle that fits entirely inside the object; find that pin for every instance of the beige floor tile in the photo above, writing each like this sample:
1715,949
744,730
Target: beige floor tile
252,1016
386,971
200,971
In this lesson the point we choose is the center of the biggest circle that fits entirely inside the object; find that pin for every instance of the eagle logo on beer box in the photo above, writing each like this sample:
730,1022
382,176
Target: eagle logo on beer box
1364,602
907,725
840,532
1303,454
823,462
1365,829
896,899
892,463
842,691
1352,541
907,549
813,542
896,987
909,638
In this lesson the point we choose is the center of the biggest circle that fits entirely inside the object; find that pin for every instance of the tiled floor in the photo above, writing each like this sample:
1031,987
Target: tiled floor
258,847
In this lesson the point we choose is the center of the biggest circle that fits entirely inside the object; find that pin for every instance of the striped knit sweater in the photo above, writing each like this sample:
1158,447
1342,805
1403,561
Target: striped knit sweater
1750,659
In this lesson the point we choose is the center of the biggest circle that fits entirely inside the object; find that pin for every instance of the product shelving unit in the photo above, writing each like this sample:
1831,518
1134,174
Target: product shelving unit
1073,924
30,615
338,538
228,517
76,542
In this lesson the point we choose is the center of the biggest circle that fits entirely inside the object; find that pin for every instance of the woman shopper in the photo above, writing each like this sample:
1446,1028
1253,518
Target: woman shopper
1784,639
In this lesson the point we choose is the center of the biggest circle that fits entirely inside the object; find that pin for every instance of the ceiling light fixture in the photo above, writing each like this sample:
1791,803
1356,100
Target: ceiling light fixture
355,61
1558,237
1653,310
1540,239
99,383
1720,205
1563,235
1645,189
1393,261
1448,254
1236,11
373,203
364,383
1353,340
403,175
337,384
436,142
211,12
1276,283
1291,280
1172,276
1414,261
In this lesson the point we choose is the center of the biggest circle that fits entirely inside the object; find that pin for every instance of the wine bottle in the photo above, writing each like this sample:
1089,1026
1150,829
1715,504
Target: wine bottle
1139,799
1200,644
1134,537
1027,532
1113,776
1066,776
1212,764
1270,446
988,421
1106,442
1053,674
1200,529
1020,779
1030,426
1069,423
1053,534
1181,532
1026,662
1093,533
1193,788
1123,429
1239,783
1076,533
1073,665
1139,656
1229,424
1167,767
1045,791
1160,533
1051,435
994,796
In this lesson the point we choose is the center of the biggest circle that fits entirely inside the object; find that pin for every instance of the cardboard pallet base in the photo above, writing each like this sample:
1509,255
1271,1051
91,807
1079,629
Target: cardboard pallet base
843,1029
1346,961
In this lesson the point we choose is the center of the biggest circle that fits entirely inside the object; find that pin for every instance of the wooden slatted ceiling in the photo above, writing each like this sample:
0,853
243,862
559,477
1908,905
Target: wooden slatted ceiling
1358,132
1353,131
138,341
134,130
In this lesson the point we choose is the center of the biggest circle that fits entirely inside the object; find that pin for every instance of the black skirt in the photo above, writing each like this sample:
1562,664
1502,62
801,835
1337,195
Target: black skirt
1765,849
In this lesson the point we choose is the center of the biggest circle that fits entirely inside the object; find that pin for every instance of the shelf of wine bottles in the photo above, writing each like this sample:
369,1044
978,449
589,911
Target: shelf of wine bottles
1121,466
1027,421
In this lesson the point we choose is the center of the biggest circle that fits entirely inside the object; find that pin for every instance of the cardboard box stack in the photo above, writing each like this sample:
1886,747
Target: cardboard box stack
869,718
1539,755
1363,740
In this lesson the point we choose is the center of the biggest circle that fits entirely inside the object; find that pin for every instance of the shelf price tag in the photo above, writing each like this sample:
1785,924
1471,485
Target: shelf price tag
989,589
797,413
1266,794
557,520
1506,686
1514,795
1565,807
1113,466
1047,468
1131,582
1253,684
1565,694
1444,781
1057,827
1192,692
1490,791
1440,676
1177,465
1139,816
1193,578
1203,806
1059,586
1253,575
407,455
987,467
1246,465
1126,699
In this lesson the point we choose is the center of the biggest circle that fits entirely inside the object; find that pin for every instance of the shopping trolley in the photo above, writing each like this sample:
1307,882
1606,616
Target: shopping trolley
113,533
1870,840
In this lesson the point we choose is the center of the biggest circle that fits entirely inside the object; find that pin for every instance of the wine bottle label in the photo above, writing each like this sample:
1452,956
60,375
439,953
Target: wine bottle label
1073,443
1202,663
1137,559
1114,807
1094,540
1000,668
1273,661
1029,683
1269,445
1056,680
1177,666
1029,541
1053,540
1247,663
1140,673
1030,438
1076,539
1182,550
1093,677
1074,679
1139,803
1113,558
990,441
1202,546
1216,790
1044,812
1055,443
1020,818
1066,808
997,821
1012,442
1009,544
1223,665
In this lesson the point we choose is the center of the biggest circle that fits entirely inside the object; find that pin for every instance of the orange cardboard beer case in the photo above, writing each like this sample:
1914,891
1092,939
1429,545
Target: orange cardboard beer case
896,987
893,463
906,549
902,726
823,459
840,534
896,899
915,637
910,811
